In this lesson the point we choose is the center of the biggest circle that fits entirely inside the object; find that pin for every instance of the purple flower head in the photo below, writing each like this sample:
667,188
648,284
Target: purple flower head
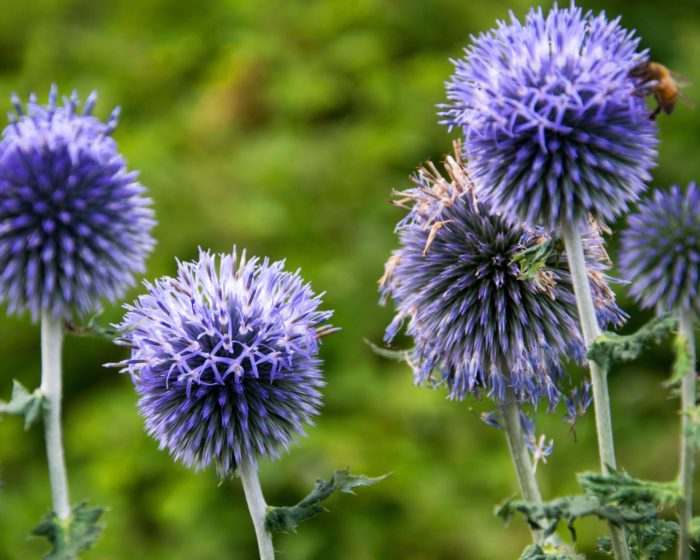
479,322
224,358
74,223
660,251
554,127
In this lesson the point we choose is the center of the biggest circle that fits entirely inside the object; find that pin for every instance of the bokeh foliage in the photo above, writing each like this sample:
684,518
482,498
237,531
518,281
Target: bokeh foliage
282,126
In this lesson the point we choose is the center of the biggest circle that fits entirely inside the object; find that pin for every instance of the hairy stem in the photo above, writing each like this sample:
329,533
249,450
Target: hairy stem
599,382
51,341
257,507
521,456
687,459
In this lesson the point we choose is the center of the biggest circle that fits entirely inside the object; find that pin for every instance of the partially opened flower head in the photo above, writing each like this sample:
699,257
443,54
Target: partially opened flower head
555,128
225,359
479,320
74,222
660,251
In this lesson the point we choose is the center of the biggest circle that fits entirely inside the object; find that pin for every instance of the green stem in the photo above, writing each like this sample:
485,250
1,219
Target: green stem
51,341
257,507
599,382
520,456
687,459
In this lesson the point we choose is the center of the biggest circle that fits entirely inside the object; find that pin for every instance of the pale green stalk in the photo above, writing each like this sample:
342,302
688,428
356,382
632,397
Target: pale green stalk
257,507
599,382
521,457
51,341
687,459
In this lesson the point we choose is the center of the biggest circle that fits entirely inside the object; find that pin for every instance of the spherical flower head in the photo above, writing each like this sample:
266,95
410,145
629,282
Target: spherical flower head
660,251
555,128
74,222
224,359
480,320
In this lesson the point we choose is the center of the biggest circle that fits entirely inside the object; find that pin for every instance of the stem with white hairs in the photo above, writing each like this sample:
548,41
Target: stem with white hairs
51,383
601,398
257,507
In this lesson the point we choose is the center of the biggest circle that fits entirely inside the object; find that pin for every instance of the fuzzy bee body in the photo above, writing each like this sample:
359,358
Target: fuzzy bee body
662,83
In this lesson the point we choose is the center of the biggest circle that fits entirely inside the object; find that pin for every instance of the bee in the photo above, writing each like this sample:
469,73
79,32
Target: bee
664,84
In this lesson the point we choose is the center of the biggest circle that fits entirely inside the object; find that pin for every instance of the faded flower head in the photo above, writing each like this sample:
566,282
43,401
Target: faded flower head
554,127
224,358
660,251
488,304
74,223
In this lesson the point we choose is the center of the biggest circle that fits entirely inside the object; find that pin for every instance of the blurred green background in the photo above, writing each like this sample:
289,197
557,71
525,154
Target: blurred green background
282,127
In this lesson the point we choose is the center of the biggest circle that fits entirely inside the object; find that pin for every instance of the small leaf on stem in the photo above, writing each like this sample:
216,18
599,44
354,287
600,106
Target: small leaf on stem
286,519
24,403
681,361
610,347
73,536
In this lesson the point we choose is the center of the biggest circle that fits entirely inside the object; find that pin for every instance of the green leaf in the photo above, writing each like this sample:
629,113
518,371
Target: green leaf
24,403
617,498
549,552
646,542
695,529
610,347
286,519
70,538
620,487
681,364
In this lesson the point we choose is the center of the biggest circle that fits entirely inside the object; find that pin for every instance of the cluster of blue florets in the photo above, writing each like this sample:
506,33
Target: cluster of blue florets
479,323
74,222
224,358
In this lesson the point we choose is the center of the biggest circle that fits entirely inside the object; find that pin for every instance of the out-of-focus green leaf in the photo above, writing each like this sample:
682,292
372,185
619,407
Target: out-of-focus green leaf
681,361
70,538
548,552
24,403
617,498
610,347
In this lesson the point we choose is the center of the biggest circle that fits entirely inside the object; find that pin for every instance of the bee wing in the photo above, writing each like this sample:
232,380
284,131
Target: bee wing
681,79
685,99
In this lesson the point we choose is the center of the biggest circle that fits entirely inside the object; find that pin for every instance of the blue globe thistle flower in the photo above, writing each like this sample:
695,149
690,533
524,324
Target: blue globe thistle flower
224,359
74,223
660,251
480,320
555,128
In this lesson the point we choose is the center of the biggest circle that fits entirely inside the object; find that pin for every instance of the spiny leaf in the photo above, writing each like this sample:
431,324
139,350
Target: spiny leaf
646,542
24,403
681,363
617,498
547,516
286,519
537,552
70,538
397,355
610,347
622,488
